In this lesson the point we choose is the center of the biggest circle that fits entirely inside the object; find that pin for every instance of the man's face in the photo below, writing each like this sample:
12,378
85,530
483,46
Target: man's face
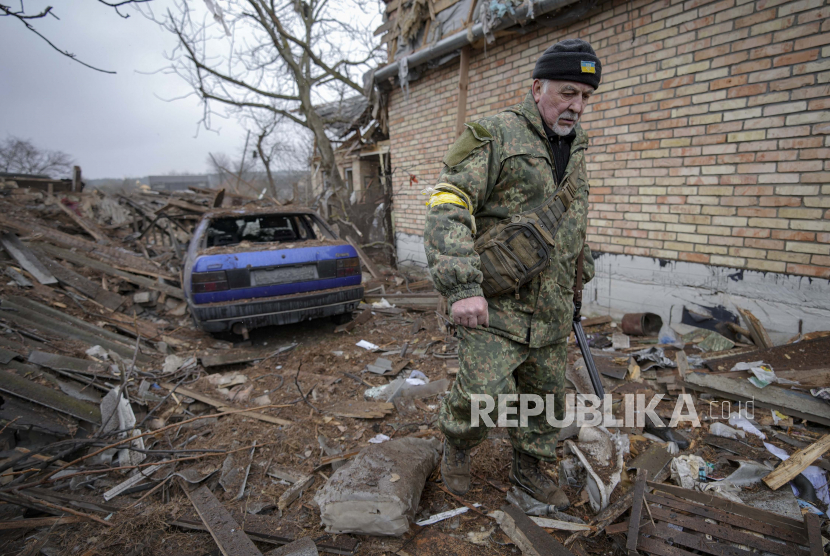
561,103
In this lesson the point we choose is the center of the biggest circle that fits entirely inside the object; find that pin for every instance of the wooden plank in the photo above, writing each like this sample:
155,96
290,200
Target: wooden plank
69,277
531,539
441,5
367,262
114,255
78,500
756,329
364,317
82,260
814,534
596,321
145,328
710,500
792,403
223,406
823,463
19,279
84,224
386,26
7,355
463,82
217,358
272,530
294,491
659,548
39,457
63,363
53,328
54,315
35,522
691,540
636,510
394,6
16,385
807,378
228,535
787,470
361,410
725,532
184,205
133,480
723,516
26,259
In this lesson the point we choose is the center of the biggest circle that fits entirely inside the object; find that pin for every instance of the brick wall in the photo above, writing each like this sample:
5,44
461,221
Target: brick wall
710,132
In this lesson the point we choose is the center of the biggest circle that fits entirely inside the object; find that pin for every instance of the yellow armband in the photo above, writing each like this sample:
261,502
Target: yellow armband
446,193
442,198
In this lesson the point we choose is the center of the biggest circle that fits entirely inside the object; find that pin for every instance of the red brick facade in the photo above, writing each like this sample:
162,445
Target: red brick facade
710,132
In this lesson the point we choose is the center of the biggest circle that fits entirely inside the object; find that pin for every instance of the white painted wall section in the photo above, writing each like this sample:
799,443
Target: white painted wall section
627,284
411,250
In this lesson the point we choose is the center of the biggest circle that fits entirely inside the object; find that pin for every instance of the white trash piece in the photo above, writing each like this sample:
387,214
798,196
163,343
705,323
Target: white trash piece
367,345
725,431
601,453
379,439
686,470
740,420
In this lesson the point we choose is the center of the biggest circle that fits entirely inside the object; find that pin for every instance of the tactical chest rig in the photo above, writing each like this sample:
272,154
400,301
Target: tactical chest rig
517,249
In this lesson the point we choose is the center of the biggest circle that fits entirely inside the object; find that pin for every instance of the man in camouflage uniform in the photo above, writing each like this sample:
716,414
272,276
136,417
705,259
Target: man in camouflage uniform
500,166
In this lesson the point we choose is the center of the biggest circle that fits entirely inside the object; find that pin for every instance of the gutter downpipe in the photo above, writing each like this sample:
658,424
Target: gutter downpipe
460,39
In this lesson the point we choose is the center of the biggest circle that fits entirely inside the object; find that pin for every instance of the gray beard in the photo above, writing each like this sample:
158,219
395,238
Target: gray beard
562,131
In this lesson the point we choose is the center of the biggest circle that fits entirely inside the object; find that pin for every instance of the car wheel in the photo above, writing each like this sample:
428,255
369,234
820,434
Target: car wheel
342,318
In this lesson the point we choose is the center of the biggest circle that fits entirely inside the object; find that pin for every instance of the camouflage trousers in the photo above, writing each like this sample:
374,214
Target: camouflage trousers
493,365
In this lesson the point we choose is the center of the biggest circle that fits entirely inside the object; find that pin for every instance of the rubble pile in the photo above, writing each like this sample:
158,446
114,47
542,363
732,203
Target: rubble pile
125,430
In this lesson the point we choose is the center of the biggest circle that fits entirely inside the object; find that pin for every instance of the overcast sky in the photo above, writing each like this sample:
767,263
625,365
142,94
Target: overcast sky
112,125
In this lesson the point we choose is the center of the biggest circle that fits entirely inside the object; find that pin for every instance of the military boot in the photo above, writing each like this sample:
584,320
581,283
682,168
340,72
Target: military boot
526,474
455,469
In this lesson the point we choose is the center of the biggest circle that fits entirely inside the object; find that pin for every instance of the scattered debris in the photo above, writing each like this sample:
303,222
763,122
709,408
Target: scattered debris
531,539
360,498
639,324
229,536
601,453
266,418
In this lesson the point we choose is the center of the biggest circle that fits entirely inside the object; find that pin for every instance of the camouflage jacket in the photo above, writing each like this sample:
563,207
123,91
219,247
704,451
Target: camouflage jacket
504,165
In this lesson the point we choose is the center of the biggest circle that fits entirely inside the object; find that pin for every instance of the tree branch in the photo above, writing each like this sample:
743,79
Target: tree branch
23,19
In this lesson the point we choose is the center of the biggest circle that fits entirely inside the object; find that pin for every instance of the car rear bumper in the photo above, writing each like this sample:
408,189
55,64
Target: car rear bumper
286,309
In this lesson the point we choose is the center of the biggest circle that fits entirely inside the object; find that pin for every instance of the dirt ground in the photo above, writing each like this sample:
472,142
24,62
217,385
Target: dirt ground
320,351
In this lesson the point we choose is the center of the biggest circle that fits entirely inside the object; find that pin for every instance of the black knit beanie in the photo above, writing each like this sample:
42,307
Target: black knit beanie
569,60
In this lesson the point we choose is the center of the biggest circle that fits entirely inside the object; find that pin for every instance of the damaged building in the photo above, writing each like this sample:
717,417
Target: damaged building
708,139
130,428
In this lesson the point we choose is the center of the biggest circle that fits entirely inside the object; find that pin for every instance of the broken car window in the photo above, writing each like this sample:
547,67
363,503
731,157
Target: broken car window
259,228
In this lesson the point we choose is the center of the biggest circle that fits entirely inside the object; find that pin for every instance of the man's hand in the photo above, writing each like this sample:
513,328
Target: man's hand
470,312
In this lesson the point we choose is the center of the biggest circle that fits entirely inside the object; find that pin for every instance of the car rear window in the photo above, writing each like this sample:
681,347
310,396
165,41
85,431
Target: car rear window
260,228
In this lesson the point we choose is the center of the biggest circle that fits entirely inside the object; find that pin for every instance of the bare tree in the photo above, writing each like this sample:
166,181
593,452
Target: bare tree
234,174
280,60
22,157
277,148
27,18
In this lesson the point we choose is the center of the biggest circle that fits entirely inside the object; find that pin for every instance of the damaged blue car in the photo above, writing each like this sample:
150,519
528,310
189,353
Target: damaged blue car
250,268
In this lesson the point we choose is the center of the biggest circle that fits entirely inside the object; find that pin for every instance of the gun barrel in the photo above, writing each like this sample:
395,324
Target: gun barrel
582,342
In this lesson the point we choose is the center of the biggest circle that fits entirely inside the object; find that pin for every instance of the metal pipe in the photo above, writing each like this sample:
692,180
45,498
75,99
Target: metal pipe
460,40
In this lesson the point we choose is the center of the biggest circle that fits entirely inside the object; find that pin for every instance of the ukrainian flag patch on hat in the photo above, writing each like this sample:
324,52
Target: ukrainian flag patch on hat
589,67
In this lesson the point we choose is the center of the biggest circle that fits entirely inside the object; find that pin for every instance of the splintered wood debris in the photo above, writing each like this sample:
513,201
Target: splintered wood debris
112,317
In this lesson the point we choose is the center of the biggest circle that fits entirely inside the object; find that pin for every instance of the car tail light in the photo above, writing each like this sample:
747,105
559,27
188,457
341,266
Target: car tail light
348,267
204,282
